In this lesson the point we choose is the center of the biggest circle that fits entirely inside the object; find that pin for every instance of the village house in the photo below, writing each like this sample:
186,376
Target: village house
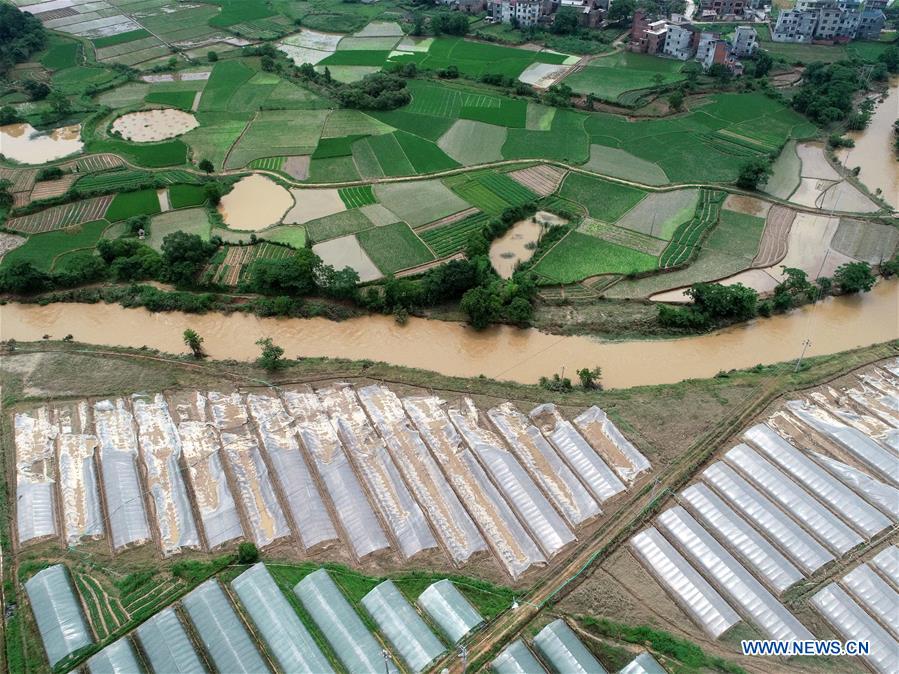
830,21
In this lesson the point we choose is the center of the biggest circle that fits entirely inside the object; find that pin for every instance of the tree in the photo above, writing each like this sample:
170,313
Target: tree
296,275
621,10
590,378
37,91
418,24
213,192
21,34
247,553
194,342
754,172
23,278
763,62
8,115
565,21
676,100
854,277
658,79
183,256
59,103
482,306
272,356
721,73
212,56
207,167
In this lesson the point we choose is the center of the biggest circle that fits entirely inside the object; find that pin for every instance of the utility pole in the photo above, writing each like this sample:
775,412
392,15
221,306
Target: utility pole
805,344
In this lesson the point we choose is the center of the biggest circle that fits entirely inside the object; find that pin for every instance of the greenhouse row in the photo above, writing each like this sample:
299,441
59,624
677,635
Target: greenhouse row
253,627
331,466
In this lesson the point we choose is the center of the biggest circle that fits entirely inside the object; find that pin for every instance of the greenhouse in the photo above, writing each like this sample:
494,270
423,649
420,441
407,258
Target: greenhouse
643,664
887,562
78,482
561,649
117,658
167,646
449,610
604,436
35,474
397,620
699,599
875,595
58,613
516,658
221,630
358,651
885,497
284,634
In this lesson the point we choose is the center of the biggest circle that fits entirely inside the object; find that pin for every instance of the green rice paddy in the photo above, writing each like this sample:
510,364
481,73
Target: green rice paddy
579,256
394,247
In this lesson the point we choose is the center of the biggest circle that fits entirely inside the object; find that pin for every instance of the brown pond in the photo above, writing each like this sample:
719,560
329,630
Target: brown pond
517,245
833,325
148,126
26,145
255,203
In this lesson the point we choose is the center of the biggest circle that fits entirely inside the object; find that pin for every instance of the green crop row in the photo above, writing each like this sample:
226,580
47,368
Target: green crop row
452,238
688,236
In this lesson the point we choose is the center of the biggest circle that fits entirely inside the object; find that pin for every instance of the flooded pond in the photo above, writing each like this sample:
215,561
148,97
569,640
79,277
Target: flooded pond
255,203
517,245
873,151
26,145
148,126
504,353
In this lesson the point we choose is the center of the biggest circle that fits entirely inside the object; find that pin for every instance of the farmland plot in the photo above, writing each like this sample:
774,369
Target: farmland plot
659,214
471,142
345,222
277,132
394,247
494,192
237,258
579,256
452,237
313,204
419,202
604,201
58,217
542,179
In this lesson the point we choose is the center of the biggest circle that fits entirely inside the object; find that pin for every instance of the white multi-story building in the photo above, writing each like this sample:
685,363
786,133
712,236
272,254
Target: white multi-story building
523,12
679,42
745,41
827,21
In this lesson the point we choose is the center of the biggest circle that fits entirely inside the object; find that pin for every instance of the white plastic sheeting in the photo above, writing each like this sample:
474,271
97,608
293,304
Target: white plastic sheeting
254,486
79,491
573,448
447,516
887,563
220,629
885,497
617,450
544,465
852,622
400,623
829,529
58,613
853,441
160,449
358,651
754,551
858,416
544,523
369,454
874,594
643,664
449,610
510,541
288,640
167,646
516,658
863,517
279,439
351,507
121,484
564,652
740,586
797,543
686,586
35,475
117,658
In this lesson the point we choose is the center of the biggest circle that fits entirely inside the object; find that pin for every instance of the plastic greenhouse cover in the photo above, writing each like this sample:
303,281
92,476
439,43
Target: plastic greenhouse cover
117,658
215,503
564,652
863,421
355,647
254,486
544,465
887,562
279,439
167,646
57,612
448,518
160,449
368,453
795,541
547,527
583,459
510,541
516,658
736,582
875,402
875,595
604,436
277,622
860,446
407,633
689,589
449,610
828,528
121,484
864,517
77,475
643,664
852,622
221,631
881,495
35,474
350,504
755,552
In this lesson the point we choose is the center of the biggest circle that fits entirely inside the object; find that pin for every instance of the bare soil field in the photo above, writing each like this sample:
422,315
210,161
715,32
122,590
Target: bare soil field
748,205
58,217
312,205
542,179
773,245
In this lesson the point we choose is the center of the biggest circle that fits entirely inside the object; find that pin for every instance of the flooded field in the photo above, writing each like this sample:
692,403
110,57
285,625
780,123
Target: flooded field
148,126
835,324
516,245
26,145
255,203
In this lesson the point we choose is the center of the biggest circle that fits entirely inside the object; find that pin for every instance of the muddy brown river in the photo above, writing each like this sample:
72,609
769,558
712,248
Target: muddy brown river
833,325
